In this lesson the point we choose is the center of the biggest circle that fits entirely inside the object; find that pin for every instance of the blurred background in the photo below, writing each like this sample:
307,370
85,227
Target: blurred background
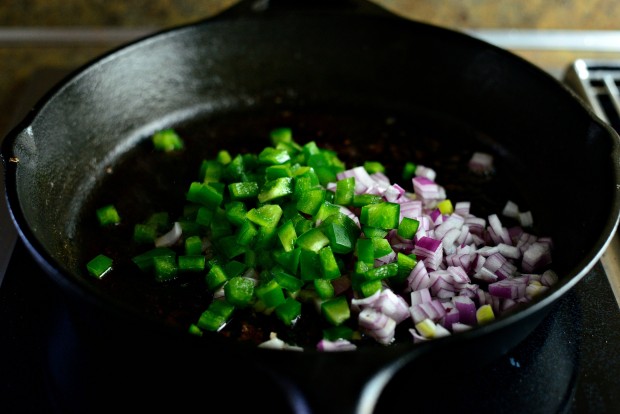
36,34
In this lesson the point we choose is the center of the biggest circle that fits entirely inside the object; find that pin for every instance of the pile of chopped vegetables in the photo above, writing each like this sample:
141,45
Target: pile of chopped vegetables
292,225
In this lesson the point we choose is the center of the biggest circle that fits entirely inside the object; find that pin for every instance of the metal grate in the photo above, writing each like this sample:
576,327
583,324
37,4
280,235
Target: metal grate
598,83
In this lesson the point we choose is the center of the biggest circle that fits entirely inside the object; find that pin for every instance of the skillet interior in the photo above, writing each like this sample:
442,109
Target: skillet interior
539,134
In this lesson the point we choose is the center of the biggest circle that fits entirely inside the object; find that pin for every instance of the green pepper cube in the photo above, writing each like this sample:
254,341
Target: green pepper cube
216,277
288,311
166,268
220,226
339,239
313,240
289,282
266,238
345,190
211,321
234,268
243,190
405,263
310,201
275,189
358,275
266,216
374,167
167,140
216,316
273,156
408,228
193,263
160,220
374,232
228,246
326,209
210,171
270,293
383,271
145,260
108,215
189,228
222,307
336,311
144,233
408,171
99,266
303,225
324,288
365,251
194,329
224,157
273,172
239,291
289,260
381,247
235,170
204,216
309,265
361,200
193,245
204,194
341,231
281,134
302,184
309,149
370,287
246,234
382,215
329,266
287,235
235,212
334,333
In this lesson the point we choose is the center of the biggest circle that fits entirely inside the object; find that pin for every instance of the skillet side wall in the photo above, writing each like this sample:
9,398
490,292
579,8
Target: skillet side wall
536,130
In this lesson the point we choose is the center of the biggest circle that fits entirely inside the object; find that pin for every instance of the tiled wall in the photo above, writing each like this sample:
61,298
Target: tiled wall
545,14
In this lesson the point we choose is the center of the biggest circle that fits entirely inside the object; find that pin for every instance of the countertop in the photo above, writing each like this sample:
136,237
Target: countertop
68,34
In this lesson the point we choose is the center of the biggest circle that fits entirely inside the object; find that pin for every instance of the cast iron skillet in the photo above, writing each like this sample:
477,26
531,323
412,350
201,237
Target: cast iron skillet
337,72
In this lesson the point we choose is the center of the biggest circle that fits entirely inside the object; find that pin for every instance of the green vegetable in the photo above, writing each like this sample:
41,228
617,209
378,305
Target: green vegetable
239,291
108,215
336,311
264,235
99,266
167,140
289,311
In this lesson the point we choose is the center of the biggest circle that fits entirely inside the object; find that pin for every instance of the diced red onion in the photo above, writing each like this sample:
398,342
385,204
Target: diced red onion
511,209
422,171
337,345
481,162
525,219
171,237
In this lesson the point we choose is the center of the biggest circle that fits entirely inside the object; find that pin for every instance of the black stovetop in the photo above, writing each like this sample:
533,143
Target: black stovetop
569,364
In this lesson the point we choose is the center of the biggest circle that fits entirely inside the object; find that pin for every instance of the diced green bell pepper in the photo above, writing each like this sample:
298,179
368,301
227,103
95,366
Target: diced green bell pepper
270,293
108,215
383,215
239,291
336,311
99,266
289,311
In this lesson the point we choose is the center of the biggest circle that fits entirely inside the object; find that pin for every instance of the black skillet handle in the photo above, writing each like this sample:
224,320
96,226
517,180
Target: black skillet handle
246,7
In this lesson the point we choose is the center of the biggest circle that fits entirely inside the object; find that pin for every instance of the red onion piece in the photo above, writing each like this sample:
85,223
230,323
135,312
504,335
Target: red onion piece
171,237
